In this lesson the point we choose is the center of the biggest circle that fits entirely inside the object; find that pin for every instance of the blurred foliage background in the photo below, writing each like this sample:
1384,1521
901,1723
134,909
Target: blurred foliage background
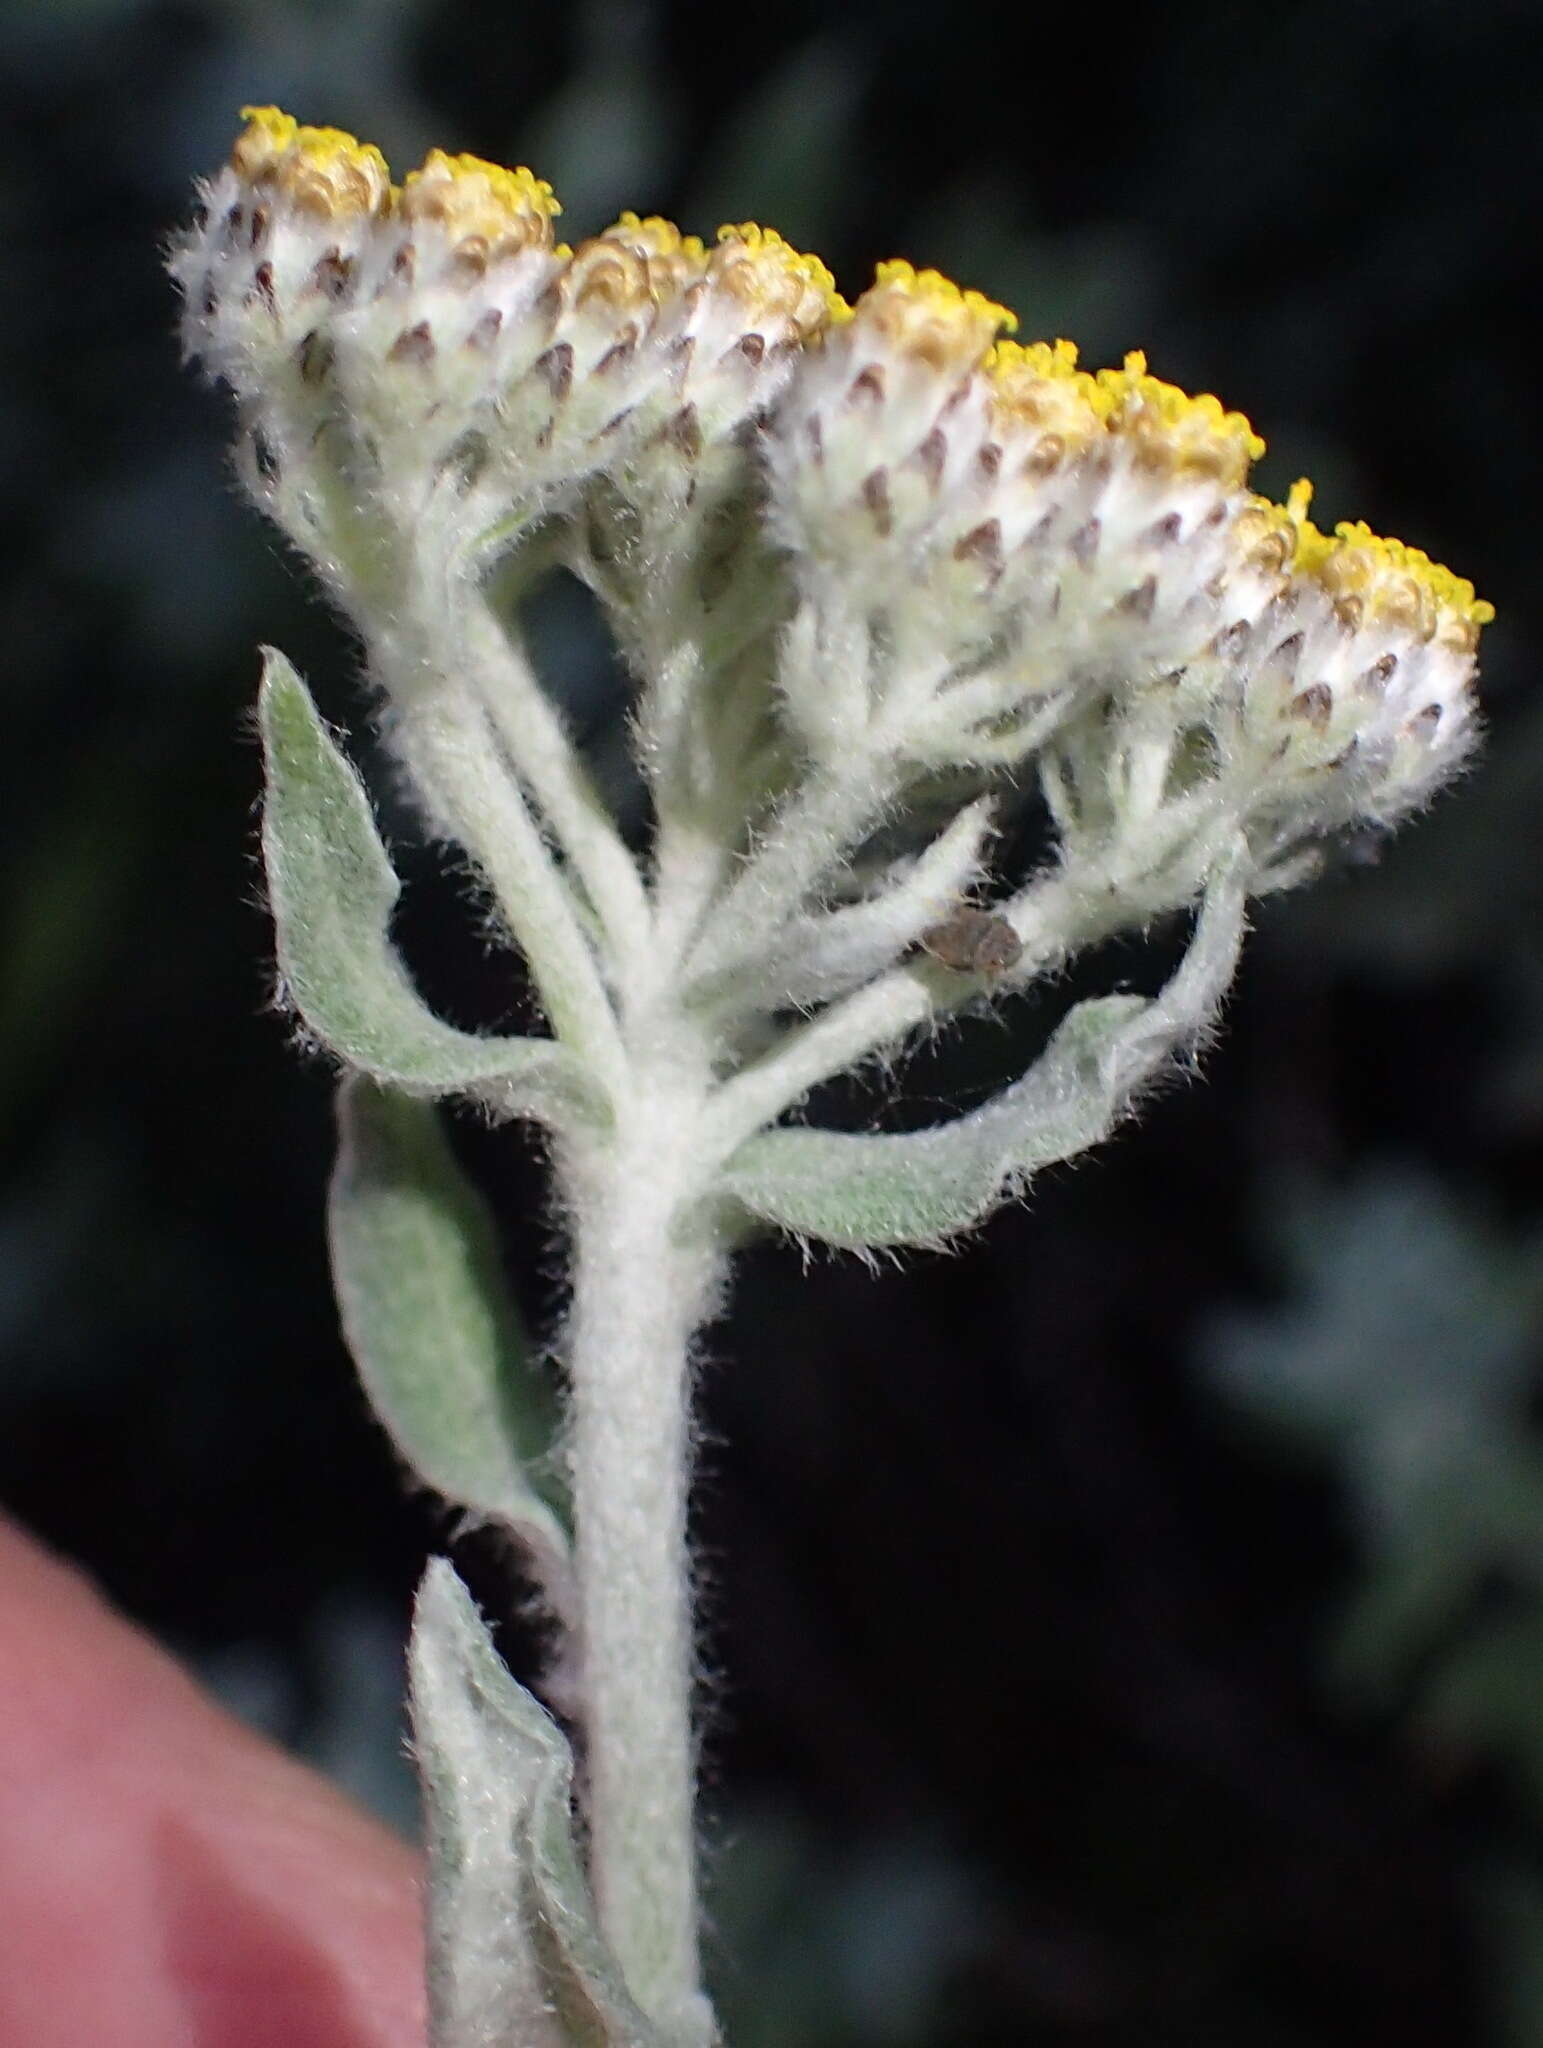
1130,1631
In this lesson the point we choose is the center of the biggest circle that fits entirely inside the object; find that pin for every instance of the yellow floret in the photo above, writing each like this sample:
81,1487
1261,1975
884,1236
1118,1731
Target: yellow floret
938,294
766,273
1172,430
609,275
269,132
1037,385
1266,535
672,262
927,317
654,236
1384,581
497,212
324,171
1400,585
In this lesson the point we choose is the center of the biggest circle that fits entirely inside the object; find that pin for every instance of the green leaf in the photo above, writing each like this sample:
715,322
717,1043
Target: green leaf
436,1338
924,1186
921,1187
332,890
515,1958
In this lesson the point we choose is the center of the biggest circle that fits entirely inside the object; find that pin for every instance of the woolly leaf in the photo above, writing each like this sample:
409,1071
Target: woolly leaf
515,1958
436,1338
920,1187
923,1186
332,889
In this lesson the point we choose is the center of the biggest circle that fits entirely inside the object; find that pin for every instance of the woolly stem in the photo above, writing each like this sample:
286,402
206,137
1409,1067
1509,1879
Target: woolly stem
645,1275
442,738
544,758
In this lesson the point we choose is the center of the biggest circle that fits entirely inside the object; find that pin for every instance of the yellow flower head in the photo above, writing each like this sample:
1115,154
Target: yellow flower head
321,171
920,428
1384,582
924,316
672,262
1037,387
774,283
485,210
1174,433
612,278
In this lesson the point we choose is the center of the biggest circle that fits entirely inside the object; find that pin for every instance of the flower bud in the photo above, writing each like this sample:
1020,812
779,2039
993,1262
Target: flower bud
883,423
1355,690
955,547
1105,517
277,247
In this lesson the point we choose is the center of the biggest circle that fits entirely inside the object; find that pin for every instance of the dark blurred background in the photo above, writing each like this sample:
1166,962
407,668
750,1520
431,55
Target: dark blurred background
1130,1631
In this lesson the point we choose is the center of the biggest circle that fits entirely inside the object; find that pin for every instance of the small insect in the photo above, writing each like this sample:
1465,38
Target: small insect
973,941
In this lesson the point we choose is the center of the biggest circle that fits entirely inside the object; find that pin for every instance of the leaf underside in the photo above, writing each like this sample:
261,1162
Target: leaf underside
515,1959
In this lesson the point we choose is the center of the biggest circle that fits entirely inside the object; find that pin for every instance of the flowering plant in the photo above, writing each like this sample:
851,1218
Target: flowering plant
873,570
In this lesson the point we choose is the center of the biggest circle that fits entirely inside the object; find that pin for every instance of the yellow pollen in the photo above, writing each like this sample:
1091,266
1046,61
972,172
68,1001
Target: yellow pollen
499,212
774,281
322,171
655,236
672,262
924,315
1174,432
1382,581
264,140
1400,586
1037,385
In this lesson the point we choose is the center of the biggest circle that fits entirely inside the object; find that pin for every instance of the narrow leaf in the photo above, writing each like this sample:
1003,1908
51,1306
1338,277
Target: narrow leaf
832,951
332,890
515,1959
923,1186
428,1318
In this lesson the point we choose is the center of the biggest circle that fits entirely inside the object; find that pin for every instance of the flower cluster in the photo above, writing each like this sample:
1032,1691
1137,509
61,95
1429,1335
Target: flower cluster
443,335
899,543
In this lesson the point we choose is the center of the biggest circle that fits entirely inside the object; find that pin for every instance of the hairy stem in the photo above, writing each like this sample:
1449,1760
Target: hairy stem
812,834
544,757
644,1277
443,739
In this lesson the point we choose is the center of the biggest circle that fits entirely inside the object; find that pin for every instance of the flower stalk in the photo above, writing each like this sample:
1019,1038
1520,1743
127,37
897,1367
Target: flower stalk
875,570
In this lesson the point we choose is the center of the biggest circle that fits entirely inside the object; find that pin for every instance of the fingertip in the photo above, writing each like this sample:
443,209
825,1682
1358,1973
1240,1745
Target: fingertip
163,1870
